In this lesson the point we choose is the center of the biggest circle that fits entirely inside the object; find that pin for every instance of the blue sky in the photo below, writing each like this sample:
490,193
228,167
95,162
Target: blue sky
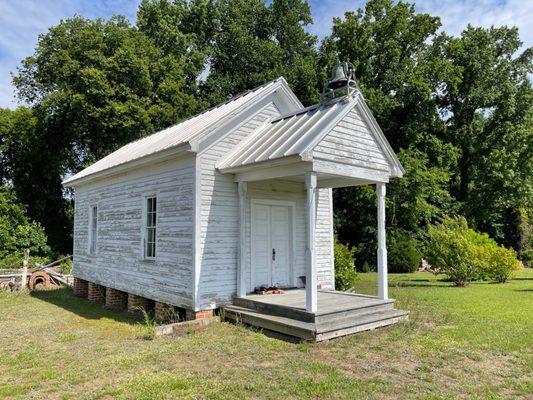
21,21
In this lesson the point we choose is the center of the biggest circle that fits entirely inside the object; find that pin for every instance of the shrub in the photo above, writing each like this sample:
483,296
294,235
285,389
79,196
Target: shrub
465,255
450,252
403,253
345,275
502,264
17,233
66,265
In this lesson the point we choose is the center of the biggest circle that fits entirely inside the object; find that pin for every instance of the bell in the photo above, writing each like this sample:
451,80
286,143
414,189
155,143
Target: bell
339,77
341,83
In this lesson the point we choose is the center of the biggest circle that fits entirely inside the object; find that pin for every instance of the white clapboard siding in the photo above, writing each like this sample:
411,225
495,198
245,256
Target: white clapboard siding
118,261
351,142
219,216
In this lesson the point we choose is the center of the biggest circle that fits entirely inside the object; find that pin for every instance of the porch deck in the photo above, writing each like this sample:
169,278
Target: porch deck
338,313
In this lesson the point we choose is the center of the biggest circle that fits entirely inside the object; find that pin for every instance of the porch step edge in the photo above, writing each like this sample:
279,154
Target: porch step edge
359,320
361,328
274,309
286,326
370,309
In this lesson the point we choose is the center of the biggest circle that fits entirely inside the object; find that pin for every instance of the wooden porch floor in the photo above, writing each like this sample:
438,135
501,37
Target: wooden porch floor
338,313
329,301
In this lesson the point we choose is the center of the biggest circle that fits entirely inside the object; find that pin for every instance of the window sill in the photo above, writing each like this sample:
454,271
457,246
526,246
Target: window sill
147,260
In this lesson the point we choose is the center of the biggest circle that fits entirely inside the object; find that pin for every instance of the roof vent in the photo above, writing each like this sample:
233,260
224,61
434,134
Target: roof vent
341,83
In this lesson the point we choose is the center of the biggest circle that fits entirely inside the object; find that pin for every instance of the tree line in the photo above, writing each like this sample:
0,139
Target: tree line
456,109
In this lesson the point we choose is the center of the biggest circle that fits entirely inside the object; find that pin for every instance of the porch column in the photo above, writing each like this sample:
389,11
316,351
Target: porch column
241,273
311,279
383,287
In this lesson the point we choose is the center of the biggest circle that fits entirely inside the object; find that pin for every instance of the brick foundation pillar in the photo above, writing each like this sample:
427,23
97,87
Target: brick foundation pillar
95,292
164,312
192,315
136,303
115,299
81,287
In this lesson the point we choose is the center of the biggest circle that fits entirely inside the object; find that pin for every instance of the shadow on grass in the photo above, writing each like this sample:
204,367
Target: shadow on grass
422,283
65,299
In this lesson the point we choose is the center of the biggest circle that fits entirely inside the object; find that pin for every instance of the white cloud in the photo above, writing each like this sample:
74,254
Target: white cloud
455,14
21,21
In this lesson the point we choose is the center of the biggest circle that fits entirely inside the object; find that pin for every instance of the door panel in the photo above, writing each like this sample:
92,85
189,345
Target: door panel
280,245
271,247
261,245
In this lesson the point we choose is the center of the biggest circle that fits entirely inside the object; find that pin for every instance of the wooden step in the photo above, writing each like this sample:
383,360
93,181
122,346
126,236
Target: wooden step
287,326
274,309
381,318
370,305
354,312
314,331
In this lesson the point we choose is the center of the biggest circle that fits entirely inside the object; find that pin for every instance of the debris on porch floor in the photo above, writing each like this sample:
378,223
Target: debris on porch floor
339,314
268,290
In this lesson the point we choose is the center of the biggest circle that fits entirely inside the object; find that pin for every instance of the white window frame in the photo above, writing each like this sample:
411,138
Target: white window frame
145,227
93,230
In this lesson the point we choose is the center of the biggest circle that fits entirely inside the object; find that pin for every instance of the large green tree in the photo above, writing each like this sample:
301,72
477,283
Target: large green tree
255,43
488,98
399,70
93,86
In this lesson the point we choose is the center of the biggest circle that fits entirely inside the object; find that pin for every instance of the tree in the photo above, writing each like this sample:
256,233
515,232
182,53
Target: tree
93,87
395,66
488,98
17,233
255,43
399,70
421,197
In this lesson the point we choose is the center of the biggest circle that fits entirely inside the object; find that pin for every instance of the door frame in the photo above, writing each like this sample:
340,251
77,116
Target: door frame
292,235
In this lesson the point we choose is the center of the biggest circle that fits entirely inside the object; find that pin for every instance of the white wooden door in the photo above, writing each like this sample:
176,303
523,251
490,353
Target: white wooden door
280,243
271,245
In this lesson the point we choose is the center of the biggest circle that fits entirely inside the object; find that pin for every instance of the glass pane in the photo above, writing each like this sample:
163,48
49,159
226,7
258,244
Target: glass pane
153,221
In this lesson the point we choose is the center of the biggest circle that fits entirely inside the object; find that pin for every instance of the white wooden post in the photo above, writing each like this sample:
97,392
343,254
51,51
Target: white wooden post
311,278
383,287
25,262
241,273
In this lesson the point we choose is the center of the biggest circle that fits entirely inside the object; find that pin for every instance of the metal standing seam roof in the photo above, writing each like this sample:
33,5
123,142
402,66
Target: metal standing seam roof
296,134
173,136
291,134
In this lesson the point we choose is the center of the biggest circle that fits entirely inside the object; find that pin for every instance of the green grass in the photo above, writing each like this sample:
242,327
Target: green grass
473,342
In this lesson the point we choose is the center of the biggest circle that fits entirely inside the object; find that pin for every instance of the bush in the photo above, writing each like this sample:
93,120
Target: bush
17,233
345,274
403,253
449,251
501,264
465,255
66,265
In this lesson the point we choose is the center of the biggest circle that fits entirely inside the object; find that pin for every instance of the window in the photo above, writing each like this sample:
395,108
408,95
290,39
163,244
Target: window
150,227
93,229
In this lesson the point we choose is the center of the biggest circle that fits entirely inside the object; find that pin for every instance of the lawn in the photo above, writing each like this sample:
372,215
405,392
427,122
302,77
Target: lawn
473,342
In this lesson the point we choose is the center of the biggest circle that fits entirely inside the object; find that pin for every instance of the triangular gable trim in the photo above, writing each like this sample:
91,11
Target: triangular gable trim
359,103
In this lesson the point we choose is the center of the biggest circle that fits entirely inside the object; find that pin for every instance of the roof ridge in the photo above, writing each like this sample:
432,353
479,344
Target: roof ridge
314,106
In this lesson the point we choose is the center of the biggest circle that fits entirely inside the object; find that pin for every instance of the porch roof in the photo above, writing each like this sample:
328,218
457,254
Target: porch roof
288,143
